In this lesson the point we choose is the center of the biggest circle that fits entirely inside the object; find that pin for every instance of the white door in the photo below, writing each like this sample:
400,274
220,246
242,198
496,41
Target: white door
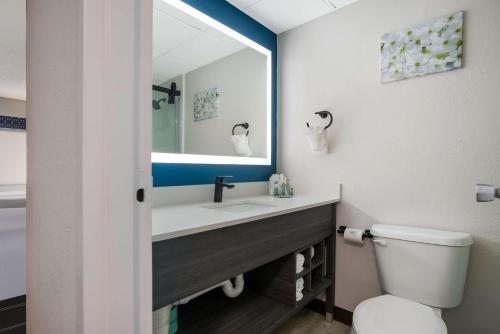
89,147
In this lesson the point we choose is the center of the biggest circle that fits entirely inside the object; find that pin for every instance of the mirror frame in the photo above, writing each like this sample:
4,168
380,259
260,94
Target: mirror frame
172,169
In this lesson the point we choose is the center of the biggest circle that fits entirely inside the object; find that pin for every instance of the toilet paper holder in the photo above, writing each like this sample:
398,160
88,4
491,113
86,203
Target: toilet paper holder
366,233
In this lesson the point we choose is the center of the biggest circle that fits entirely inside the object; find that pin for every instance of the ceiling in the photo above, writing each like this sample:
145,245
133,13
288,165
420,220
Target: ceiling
283,15
174,53
13,49
182,43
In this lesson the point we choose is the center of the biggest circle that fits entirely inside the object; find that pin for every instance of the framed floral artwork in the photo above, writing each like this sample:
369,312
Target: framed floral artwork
431,47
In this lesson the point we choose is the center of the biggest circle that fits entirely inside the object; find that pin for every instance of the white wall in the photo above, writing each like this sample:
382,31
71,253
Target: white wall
241,80
12,145
408,152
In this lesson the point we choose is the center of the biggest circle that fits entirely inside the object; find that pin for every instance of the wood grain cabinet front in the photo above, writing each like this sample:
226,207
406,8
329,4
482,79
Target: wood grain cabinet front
265,251
185,265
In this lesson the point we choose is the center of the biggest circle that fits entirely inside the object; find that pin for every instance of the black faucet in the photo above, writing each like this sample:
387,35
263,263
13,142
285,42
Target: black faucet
219,187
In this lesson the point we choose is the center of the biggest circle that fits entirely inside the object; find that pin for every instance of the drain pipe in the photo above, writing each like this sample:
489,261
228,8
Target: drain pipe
162,315
227,286
234,291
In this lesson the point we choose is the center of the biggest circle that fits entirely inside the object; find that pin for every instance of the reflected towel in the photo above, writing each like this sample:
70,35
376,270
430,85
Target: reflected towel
241,146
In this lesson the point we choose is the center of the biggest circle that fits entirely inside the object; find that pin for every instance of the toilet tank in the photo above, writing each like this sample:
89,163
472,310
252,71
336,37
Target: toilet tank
424,265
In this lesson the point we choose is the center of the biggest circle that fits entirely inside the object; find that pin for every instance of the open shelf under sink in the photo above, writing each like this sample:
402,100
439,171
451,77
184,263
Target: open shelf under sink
249,313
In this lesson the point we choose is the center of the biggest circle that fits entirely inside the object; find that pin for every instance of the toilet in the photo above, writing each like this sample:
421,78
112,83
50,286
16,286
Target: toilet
422,271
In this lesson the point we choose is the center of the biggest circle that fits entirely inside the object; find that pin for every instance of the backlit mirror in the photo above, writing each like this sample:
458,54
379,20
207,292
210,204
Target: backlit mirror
211,90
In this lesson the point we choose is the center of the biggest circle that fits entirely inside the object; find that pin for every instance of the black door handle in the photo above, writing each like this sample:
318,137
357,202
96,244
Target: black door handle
140,195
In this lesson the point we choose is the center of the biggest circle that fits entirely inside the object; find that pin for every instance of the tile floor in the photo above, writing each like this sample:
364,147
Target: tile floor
309,322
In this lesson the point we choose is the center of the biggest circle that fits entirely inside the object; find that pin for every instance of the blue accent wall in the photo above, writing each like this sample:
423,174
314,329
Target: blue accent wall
190,174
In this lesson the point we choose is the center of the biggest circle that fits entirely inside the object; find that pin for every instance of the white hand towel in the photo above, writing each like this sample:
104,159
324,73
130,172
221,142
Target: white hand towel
241,146
299,261
312,252
316,136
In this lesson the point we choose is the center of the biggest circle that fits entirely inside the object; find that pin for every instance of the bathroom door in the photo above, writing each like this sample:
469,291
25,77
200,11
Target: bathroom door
89,264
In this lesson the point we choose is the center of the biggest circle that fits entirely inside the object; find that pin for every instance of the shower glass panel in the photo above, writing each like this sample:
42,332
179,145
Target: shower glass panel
166,119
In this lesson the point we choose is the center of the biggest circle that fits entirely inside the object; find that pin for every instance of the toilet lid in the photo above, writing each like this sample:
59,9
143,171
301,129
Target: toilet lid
394,315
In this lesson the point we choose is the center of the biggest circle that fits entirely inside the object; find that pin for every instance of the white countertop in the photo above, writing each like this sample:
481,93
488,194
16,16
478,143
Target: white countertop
181,220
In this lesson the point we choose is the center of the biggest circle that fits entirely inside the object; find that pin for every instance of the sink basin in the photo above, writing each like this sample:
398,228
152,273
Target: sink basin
243,206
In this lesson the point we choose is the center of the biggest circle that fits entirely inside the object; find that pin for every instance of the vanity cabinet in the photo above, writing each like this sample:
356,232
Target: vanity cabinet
264,251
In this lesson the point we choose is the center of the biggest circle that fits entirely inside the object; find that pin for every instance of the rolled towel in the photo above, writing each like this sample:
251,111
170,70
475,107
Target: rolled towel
161,320
300,284
298,296
312,252
299,261
299,288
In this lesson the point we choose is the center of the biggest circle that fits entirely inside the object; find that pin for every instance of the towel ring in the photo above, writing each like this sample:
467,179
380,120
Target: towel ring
243,125
324,114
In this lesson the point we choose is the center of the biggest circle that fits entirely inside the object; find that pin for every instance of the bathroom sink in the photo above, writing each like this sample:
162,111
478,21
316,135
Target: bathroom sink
243,206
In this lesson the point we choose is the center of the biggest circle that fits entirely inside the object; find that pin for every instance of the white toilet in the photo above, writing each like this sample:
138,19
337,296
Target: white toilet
422,270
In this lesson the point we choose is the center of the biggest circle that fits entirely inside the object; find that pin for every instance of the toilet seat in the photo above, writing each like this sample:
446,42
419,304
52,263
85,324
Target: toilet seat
389,314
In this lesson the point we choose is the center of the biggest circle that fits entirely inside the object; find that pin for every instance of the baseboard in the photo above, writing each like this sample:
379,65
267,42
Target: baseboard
339,314
13,315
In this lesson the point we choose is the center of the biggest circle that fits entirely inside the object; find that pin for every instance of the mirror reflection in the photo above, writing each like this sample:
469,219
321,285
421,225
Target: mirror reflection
210,94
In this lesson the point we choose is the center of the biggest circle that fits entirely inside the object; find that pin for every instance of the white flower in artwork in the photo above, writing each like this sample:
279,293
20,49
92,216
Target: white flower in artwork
431,47
437,65
417,64
396,70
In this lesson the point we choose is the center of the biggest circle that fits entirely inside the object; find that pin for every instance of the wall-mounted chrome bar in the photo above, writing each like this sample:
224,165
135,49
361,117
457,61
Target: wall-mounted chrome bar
486,193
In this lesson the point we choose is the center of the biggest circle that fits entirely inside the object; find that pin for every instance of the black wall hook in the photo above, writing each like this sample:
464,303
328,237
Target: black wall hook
324,114
243,125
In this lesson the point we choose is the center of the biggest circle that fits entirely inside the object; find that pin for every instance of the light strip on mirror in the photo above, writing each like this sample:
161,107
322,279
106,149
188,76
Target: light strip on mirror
215,159
182,6
206,159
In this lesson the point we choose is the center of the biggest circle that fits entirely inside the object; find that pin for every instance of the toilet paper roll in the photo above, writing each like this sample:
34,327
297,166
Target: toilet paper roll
354,235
